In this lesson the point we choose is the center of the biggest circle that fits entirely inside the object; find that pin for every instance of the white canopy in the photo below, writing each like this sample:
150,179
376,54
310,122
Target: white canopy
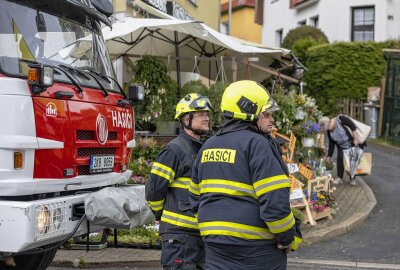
200,48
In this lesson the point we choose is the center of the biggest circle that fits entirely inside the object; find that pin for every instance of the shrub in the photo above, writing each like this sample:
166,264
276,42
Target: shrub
193,87
344,69
143,156
214,93
303,32
301,46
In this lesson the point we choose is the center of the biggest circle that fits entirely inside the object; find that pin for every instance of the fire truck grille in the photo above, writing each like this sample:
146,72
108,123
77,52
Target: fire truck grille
87,152
85,135
88,135
83,170
112,136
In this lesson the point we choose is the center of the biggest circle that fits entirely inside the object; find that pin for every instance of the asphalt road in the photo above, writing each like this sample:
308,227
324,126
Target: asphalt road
377,239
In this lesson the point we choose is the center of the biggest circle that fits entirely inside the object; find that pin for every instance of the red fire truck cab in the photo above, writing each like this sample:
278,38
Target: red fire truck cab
66,126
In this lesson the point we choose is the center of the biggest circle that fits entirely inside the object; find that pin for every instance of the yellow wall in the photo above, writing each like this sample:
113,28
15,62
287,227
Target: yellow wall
207,11
243,25
120,6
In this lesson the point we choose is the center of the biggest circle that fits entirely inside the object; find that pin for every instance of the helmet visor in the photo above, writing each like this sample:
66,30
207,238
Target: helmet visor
201,103
271,106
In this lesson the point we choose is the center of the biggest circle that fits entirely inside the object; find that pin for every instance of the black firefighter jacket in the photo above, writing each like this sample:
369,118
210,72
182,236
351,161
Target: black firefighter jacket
167,189
240,189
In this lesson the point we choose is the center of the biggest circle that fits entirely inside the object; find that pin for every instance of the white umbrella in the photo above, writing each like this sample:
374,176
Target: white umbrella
194,42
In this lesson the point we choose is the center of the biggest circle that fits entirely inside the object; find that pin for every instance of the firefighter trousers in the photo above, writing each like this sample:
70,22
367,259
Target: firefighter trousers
182,252
239,257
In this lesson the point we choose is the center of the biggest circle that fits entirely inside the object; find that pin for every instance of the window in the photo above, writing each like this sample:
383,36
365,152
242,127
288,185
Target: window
259,16
224,28
301,23
363,23
278,37
314,21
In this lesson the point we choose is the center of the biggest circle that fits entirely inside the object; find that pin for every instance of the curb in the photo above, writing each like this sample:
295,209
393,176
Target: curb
350,223
386,146
340,264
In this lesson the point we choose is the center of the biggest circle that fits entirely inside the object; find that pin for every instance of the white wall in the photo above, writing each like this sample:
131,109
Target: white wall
334,18
393,25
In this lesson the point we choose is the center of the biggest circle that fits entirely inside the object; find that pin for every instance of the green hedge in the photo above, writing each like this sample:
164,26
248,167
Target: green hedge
303,32
344,69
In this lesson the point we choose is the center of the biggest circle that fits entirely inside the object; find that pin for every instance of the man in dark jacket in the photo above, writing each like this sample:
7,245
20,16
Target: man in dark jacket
240,189
167,188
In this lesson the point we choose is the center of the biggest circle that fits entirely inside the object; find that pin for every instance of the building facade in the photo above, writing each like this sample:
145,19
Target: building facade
340,20
205,11
246,22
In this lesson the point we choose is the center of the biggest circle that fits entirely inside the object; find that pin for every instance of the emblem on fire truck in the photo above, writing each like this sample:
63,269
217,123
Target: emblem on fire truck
101,129
51,109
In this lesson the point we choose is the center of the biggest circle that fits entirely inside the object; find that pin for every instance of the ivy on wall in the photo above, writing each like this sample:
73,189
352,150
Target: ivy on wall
160,90
344,69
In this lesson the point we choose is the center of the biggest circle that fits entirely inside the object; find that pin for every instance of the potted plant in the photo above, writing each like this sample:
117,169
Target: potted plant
321,201
308,132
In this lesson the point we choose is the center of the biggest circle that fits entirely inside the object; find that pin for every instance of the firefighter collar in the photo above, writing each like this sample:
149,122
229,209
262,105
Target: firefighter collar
232,125
198,144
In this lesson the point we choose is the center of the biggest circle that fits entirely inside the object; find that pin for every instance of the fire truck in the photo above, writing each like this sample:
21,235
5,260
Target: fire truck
66,125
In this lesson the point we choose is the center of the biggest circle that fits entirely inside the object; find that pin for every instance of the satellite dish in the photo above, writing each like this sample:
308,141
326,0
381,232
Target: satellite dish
103,6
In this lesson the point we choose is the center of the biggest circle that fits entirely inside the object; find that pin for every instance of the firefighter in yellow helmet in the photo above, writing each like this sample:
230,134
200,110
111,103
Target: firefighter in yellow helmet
240,188
167,189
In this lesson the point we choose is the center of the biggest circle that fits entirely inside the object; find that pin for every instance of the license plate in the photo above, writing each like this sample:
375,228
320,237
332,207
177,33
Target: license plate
101,164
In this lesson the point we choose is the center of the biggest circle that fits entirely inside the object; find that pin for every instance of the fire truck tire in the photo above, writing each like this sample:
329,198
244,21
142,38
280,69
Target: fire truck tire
31,262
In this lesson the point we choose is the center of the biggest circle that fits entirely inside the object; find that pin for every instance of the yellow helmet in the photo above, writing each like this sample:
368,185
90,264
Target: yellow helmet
245,100
192,102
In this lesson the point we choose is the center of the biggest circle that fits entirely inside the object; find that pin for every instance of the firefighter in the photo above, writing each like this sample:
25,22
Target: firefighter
240,190
265,124
167,189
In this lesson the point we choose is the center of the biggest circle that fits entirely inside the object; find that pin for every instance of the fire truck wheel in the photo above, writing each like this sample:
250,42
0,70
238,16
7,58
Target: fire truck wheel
31,262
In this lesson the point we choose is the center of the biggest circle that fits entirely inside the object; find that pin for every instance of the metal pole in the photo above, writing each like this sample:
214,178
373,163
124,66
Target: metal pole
229,17
178,64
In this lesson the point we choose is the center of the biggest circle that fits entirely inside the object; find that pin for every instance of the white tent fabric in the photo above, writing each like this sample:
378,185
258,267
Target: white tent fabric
134,37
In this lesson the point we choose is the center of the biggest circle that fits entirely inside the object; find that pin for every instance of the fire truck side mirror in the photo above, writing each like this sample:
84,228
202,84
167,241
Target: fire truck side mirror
136,93
104,6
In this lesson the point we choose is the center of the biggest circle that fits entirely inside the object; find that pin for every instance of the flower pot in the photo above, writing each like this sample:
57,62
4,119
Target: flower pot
307,142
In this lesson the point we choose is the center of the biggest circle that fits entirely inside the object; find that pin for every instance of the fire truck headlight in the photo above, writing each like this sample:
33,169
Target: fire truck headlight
43,219
47,76
58,218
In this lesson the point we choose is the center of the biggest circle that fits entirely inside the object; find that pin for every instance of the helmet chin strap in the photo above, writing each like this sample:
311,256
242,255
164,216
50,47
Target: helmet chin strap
189,126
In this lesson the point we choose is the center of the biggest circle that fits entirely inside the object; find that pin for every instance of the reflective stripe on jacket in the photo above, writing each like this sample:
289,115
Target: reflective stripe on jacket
241,191
168,185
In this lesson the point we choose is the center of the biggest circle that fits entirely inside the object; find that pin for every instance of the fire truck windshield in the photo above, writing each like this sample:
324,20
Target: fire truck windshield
50,33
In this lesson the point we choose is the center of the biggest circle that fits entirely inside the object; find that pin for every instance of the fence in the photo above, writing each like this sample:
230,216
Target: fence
351,107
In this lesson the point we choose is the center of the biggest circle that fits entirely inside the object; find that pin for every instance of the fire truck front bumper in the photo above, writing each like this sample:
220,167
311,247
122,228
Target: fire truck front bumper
27,225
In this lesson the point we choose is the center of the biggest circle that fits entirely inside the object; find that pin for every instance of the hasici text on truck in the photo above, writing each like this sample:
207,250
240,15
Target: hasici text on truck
66,126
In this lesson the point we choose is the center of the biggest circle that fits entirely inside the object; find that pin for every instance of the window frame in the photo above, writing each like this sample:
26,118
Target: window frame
302,22
314,21
278,32
365,27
